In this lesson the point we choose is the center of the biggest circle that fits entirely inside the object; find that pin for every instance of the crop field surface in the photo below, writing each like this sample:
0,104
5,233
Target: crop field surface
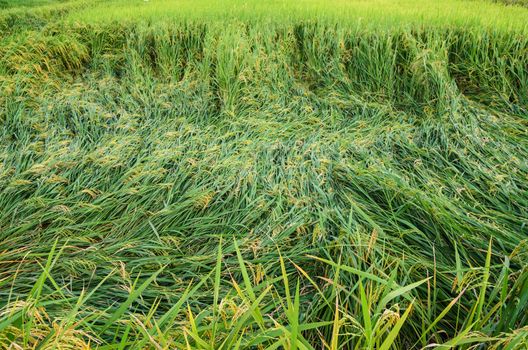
229,174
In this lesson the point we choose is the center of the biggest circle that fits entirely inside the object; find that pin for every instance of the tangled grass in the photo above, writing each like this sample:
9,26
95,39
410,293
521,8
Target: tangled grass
297,184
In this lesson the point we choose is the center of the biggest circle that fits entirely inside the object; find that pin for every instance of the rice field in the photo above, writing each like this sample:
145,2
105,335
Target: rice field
280,174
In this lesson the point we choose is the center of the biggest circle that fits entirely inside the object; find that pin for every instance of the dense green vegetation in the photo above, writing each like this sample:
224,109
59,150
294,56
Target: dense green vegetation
6,4
372,14
233,175
515,2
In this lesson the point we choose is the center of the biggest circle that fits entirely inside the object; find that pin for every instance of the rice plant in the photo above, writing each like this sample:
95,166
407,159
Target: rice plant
248,175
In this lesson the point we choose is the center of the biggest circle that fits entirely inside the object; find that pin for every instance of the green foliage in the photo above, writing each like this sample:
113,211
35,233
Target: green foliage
378,14
262,183
4,4
514,2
